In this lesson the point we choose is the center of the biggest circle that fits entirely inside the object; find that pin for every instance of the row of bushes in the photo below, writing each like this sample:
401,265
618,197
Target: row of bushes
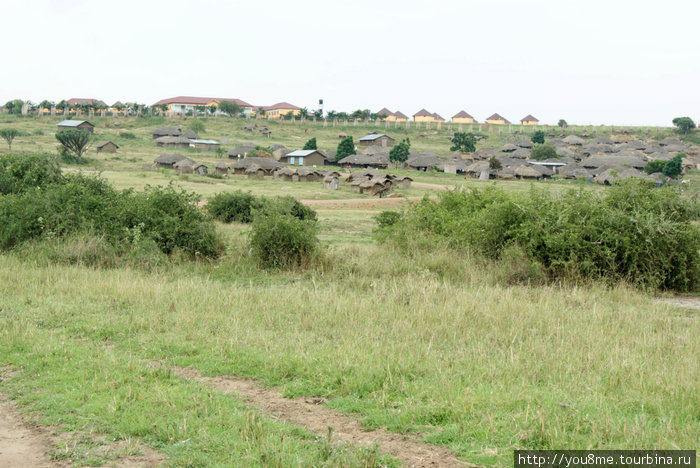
38,202
633,232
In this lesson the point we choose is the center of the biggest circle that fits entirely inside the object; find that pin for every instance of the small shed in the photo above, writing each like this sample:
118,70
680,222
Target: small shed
378,139
75,125
305,158
106,147
209,145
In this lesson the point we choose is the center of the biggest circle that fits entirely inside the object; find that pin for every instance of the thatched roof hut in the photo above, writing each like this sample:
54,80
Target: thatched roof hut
106,147
266,164
527,172
188,166
254,172
614,160
593,148
424,162
283,173
520,153
221,167
172,142
380,160
241,150
166,131
508,148
602,141
485,153
574,140
190,134
612,175
524,144
167,160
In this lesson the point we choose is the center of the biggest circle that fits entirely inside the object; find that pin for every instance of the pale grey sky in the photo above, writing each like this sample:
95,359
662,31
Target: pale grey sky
589,62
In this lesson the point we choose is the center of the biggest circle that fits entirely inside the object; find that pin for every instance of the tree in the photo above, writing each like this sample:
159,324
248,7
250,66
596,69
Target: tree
562,123
538,137
261,112
303,113
197,126
674,167
684,125
230,108
345,148
654,166
331,114
541,152
318,113
9,134
212,109
310,145
463,142
495,164
74,141
399,153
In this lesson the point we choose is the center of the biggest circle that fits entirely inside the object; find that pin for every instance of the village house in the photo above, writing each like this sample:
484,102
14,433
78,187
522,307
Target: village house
388,115
305,158
378,139
106,147
438,118
423,116
496,119
279,110
400,117
183,105
529,120
462,117
75,125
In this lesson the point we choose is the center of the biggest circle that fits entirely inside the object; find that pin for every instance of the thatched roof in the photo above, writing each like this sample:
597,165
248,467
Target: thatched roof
103,143
602,141
277,146
169,159
222,165
566,152
477,167
167,131
520,153
253,168
265,163
424,160
169,140
508,148
366,160
485,153
614,174
527,172
186,162
614,160
242,149
593,148
524,143
631,145
574,140
670,141
190,134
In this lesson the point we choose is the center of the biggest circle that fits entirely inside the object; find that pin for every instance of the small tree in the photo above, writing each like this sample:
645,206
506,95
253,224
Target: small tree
545,151
318,113
562,123
197,126
345,148
674,167
684,125
538,137
231,108
74,141
311,144
654,166
463,142
495,164
9,134
399,153
304,113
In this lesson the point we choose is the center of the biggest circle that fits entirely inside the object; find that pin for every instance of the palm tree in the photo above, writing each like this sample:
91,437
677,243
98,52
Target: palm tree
331,114
304,112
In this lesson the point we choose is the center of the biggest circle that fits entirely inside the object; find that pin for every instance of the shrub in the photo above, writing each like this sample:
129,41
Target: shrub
387,218
633,233
310,145
88,205
674,167
542,152
127,135
197,126
463,142
21,173
282,241
654,166
291,206
538,137
236,206
345,148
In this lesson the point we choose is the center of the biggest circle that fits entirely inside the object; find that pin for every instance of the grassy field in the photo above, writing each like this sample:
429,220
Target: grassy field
437,345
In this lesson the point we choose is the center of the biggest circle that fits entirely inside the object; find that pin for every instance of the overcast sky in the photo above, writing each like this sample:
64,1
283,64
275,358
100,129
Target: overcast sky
589,62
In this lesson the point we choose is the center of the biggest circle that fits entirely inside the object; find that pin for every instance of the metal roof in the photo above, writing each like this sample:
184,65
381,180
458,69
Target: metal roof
538,163
71,123
300,153
205,142
372,136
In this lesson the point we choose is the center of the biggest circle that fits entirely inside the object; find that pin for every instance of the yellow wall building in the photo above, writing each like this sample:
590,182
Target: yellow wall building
279,110
529,120
463,118
496,119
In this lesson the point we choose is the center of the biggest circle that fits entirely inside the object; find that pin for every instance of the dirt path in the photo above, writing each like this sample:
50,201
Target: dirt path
21,445
685,302
310,413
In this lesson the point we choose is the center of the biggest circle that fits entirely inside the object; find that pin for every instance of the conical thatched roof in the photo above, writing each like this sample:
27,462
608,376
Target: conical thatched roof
191,135
527,172
169,140
186,162
266,163
221,165
524,143
508,148
670,141
574,140
614,160
602,141
485,153
612,175
167,131
242,149
566,152
593,148
169,159
520,153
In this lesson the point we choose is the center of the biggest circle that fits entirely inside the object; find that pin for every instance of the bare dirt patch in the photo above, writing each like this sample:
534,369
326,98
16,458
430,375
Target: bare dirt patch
684,302
27,445
310,413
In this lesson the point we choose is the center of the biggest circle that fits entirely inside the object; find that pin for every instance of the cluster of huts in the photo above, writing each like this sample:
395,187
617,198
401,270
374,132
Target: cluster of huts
174,137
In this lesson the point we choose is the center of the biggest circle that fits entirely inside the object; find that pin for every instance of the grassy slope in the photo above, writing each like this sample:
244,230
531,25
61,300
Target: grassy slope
431,343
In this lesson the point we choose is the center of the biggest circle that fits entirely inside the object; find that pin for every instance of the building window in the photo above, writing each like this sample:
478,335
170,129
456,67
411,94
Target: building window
301,160
291,160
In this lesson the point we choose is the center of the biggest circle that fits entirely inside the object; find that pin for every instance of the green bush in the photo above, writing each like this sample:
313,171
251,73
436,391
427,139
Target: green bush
538,137
387,218
633,233
674,167
235,206
654,166
90,206
282,241
290,206
19,173
542,152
